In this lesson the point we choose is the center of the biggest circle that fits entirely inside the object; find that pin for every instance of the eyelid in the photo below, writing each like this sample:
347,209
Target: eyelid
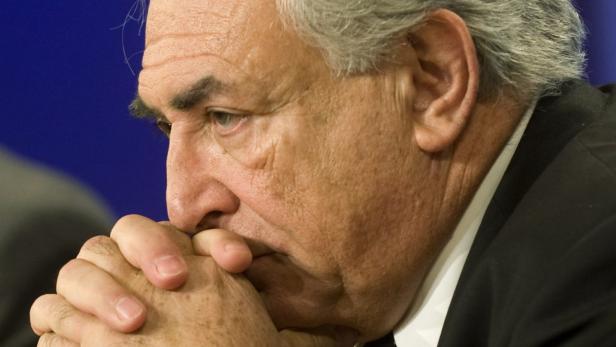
234,112
244,116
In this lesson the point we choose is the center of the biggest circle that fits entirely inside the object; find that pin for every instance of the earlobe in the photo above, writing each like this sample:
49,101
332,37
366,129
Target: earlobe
446,79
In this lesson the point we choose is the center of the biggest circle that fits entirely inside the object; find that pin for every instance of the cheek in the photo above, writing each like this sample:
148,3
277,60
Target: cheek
357,182
252,148
262,167
280,177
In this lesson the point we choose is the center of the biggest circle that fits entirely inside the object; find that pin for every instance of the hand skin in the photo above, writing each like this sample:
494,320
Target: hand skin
213,306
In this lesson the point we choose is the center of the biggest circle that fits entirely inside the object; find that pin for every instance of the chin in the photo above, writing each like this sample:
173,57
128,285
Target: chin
293,298
288,314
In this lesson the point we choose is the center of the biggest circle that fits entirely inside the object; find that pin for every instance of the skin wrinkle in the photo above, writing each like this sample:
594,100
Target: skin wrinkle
263,221
190,76
268,163
259,133
198,22
240,15
235,14
357,219
342,298
243,81
257,153
144,87
176,36
172,59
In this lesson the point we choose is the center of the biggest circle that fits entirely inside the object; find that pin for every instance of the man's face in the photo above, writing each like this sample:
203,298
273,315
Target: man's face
319,172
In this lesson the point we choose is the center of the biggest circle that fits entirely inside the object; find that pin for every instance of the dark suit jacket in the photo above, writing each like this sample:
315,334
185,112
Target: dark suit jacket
44,220
542,268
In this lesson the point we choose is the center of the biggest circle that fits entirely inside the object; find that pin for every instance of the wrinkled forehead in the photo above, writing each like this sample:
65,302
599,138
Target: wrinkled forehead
190,26
247,34
189,17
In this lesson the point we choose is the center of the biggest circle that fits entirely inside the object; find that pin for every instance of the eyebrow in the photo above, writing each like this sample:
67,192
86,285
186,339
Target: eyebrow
202,90
140,110
198,92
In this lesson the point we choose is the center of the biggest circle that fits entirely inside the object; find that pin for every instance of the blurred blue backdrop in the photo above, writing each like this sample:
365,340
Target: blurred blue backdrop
65,88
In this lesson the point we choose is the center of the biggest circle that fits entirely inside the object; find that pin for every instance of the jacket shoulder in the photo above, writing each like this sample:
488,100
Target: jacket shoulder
546,276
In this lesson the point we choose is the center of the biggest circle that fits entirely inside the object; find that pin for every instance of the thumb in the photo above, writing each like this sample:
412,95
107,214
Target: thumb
334,337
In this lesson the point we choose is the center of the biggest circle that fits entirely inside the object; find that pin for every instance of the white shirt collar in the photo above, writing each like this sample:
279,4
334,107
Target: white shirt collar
424,321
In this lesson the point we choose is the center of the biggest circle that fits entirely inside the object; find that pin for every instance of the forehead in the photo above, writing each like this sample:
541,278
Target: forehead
239,42
168,17
182,23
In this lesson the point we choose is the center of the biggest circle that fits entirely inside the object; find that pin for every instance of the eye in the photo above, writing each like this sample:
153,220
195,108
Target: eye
164,126
226,122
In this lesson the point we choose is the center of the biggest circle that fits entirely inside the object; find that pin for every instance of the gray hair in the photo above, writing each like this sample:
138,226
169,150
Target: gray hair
531,46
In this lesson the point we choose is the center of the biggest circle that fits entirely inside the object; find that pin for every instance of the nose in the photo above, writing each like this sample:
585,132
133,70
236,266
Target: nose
195,198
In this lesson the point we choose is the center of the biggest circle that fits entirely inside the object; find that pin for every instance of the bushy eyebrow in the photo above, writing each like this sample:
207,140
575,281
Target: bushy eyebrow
183,101
198,92
139,109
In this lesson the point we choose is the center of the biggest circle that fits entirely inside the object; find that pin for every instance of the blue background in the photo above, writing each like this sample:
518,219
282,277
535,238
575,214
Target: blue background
65,88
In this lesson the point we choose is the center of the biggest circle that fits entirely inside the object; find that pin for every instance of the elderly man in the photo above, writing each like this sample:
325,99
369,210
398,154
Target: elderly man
336,161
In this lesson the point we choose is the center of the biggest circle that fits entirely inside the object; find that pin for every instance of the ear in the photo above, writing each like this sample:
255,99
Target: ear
445,78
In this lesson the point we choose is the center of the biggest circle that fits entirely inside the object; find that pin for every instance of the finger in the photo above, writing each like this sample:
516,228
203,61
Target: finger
53,340
154,248
52,313
228,249
104,252
92,290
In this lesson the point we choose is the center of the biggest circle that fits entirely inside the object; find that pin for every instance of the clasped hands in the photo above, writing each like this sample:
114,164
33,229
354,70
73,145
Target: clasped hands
149,284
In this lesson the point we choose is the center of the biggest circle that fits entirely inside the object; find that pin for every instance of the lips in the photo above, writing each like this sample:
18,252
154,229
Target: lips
259,249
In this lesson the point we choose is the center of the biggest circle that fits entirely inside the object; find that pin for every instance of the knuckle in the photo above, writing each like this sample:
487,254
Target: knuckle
69,269
62,313
70,274
125,223
41,302
38,309
99,245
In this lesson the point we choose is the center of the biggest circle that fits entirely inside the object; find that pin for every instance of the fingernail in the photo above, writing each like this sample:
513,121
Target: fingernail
235,247
169,265
128,309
